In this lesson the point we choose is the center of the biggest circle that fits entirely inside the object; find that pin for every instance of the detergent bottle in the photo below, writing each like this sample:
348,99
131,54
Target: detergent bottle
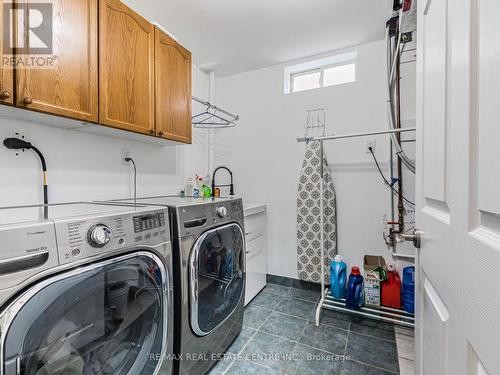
391,289
409,289
355,290
338,277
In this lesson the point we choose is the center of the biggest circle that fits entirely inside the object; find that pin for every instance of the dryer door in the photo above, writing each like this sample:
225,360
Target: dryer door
217,277
105,318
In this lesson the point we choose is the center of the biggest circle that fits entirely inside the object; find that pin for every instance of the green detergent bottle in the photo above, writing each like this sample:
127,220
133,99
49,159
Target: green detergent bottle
207,192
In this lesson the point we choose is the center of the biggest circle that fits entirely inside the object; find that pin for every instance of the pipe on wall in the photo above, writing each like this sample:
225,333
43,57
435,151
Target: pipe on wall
210,134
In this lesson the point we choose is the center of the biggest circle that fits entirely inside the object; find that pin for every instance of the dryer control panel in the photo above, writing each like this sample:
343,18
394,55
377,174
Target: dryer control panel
196,219
87,237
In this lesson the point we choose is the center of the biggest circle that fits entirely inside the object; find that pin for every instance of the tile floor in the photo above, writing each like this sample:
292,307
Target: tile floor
279,337
405,341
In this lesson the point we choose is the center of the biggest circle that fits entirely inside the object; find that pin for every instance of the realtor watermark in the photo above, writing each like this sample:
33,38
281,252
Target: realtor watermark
28,35
254,357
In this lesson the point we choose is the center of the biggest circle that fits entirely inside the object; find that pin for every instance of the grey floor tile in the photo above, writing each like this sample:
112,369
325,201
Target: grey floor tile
406,346
373,351
296,307
267,300
404,331
250,368
240,342
406,367
304,294
310,361
221,366
285,326
278,290
373,328
268,350
255,316
354,368
335,319
330,339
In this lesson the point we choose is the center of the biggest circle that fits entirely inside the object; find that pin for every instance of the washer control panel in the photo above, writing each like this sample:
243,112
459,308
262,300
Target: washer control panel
99,235
221,212
148,222
87,237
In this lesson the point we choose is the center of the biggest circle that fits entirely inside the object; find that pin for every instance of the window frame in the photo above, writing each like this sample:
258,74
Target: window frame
320,65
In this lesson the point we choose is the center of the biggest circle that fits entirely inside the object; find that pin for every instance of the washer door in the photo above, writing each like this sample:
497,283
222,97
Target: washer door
217,277
106,318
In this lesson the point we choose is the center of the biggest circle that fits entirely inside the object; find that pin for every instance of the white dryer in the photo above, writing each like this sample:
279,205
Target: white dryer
88,291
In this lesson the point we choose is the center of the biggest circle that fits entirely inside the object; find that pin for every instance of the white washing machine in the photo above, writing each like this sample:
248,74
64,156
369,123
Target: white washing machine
88,291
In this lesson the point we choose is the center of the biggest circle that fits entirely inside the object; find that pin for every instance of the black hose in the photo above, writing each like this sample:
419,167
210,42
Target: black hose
386,181
45,183
130,160
21,144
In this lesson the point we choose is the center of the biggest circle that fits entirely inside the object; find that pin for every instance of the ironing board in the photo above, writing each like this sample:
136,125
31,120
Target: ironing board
309,217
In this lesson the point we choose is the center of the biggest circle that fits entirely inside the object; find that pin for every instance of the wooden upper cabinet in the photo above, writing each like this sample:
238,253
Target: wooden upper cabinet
173,89
126,74
68,87
6,73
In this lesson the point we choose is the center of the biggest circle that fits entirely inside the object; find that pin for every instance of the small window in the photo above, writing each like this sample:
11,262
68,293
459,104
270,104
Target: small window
338,75
306,81
330,71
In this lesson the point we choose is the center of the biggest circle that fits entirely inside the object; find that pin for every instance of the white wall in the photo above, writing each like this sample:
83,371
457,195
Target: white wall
266,159
85,166
88,167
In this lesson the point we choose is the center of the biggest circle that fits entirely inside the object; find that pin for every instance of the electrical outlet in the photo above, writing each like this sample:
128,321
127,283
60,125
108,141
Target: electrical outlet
371,143
125,154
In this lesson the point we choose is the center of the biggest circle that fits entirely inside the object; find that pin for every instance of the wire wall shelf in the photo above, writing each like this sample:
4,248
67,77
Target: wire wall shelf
315,125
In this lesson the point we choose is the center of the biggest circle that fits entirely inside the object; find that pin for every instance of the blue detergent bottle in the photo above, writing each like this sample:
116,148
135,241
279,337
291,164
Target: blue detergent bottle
355,290
338,277
409,289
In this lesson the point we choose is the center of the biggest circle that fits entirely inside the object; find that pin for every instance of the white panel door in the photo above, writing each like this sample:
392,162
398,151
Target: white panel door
458,188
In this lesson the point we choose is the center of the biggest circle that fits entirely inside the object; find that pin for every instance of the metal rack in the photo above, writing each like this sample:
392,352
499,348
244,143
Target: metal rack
315,122
327,302
382,313
213,117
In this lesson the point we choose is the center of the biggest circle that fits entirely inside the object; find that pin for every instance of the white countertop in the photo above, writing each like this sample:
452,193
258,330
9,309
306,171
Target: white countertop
251,208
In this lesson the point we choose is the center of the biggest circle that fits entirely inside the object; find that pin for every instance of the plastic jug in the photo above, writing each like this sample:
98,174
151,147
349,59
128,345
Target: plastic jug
338,277
391,289
409,289
355,290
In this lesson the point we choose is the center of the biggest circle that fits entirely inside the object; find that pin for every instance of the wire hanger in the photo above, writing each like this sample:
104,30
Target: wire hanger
213,117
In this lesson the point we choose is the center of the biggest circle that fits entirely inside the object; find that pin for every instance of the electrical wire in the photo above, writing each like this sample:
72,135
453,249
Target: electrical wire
135,177
386,181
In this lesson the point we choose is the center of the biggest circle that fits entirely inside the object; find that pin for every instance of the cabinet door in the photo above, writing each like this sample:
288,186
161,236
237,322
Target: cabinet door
6,73
68,87
173,89
256,259
126,75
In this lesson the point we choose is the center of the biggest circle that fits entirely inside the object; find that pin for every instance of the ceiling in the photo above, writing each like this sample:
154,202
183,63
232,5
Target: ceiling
235,36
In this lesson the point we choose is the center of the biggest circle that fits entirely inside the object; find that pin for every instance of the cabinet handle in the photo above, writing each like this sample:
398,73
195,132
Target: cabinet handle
5,95
28,100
